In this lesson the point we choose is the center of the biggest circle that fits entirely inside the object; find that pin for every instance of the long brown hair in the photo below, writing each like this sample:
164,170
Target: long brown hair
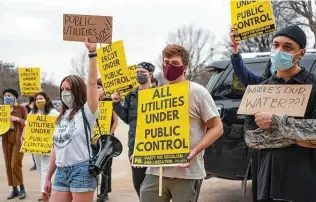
48,106
79,92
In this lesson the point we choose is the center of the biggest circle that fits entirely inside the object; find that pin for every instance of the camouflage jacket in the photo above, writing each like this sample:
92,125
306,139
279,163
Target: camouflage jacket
284,131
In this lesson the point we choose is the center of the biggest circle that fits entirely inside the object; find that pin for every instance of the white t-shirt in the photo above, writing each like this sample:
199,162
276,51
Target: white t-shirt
70,144
201,109
52,112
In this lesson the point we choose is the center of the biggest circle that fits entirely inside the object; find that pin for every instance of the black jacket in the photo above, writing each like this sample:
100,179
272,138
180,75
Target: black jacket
128,114
287,173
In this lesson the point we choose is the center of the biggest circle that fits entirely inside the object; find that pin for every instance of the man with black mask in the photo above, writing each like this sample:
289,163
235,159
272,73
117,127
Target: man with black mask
286,174
128,114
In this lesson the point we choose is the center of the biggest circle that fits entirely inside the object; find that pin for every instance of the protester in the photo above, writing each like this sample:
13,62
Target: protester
70,157
245,76
106,179
154,82
128,113
288,173
182,183
29,107
11,144
43,106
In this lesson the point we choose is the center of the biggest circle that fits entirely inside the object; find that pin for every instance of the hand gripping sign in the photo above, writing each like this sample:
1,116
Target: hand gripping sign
38,134
4,119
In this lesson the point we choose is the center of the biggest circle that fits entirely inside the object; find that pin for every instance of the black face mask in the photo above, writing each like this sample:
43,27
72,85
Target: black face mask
142,78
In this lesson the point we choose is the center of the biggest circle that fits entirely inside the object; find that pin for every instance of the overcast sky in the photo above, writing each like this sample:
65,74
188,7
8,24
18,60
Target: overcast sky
31,30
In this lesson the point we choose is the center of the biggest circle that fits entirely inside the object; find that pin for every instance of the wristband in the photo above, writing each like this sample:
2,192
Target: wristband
93,55
92,51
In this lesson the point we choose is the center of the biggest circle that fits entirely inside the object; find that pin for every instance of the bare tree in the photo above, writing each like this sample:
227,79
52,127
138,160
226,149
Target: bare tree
9,76
198,42
307,10
80,65
47,78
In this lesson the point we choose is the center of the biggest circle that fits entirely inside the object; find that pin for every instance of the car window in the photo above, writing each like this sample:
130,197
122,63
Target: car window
231,88
306,63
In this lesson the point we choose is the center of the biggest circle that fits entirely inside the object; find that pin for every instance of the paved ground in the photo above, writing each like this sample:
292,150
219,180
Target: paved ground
213,190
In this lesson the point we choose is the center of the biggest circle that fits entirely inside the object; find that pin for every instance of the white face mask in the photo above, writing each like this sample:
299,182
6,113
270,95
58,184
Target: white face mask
67,98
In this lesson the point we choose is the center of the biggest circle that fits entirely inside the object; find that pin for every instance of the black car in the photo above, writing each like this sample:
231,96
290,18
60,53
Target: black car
229,157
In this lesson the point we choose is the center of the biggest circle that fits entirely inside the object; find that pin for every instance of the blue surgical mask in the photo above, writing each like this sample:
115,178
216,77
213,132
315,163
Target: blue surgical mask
8,100
281,60
272,69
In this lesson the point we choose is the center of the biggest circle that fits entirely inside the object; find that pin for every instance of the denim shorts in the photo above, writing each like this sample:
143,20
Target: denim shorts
74,178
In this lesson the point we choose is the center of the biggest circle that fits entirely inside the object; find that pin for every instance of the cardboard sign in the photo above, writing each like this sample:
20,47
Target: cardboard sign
104,119
114,73
97,28
30,81
288,100
252,18
38,134
163,126
4,119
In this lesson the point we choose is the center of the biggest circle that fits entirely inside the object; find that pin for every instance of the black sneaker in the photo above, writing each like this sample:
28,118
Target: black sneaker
13,194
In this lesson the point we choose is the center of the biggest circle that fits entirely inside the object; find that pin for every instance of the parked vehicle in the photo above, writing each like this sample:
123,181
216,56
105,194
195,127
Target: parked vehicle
229,157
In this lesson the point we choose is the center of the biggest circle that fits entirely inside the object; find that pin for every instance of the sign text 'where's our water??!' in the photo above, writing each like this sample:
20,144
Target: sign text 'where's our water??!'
97,28
162,133
30,81
38,134
113,68
252,18
288,100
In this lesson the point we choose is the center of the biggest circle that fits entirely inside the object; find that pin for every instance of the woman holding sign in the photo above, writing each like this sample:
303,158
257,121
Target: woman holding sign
11,144
43,106
72,149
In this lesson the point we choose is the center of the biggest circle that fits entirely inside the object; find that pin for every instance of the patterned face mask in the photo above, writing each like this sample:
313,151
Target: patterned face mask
67,98
40,104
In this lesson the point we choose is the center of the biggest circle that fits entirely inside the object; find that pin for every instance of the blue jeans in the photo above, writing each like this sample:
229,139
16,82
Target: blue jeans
74,178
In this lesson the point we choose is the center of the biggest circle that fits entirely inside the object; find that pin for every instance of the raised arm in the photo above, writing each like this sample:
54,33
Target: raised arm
92,92
244,76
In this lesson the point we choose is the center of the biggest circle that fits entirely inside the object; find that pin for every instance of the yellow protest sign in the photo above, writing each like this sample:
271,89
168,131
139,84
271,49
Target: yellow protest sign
132,73
38,134
113,69
252,18
4,119
104,120
163,131
30,81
